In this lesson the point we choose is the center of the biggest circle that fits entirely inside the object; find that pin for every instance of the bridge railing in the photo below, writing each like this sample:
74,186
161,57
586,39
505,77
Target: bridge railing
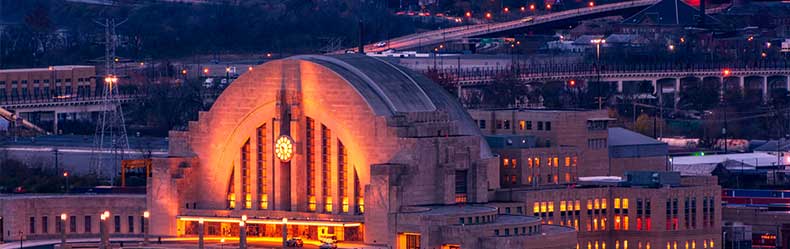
20,100
587,69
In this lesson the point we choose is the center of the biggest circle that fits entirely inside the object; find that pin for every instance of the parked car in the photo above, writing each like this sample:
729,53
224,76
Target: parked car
328,246
294,242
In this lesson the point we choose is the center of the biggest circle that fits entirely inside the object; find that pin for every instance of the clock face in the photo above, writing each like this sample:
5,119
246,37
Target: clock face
284,148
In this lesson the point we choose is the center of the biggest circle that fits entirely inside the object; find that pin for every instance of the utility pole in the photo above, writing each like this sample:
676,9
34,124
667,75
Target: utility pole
111,124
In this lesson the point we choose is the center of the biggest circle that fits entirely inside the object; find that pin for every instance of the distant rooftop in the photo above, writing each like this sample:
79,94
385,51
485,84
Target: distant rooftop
619,136
56,68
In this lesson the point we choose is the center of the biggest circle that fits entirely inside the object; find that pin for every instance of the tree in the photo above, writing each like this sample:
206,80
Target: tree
505,90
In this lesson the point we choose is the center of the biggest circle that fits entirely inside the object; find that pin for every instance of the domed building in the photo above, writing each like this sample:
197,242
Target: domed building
349,148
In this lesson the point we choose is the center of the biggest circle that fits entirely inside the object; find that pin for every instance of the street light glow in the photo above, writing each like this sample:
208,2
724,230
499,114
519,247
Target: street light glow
468,14
598,41
63,216
591,4
146,214
488,15
532,7
726,72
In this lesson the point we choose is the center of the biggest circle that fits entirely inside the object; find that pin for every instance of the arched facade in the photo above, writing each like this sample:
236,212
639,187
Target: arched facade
359,140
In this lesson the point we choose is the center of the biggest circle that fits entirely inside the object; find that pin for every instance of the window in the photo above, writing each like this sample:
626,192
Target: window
342,176
58,225
73,224
507,124
260,163
44,224
460,186
548,125
245,175
540,125
326,172
87,225
32,225
131,224
117,223
522,125
482,124
529,125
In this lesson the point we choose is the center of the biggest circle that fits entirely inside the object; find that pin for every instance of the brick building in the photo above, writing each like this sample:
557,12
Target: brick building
568,167
29,84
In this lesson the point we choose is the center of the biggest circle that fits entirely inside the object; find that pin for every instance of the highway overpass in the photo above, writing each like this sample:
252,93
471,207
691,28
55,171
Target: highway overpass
551,20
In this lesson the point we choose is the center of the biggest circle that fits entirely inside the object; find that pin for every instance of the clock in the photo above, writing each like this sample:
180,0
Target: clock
284,148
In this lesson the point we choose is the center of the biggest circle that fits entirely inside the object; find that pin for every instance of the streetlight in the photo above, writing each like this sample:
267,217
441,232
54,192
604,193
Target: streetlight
671,47
63,218
146,216
532,7
285,231
598,43
506,9
488,15
242,236
66,175
200,233
548,6
591,4
523,9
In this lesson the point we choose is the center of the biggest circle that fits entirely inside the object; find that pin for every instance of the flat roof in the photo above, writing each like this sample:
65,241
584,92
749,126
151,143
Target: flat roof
57,68
46,196
622,137
752,159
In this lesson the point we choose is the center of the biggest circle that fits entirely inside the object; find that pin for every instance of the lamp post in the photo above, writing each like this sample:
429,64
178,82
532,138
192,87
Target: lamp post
200,233
63,218
146,216
285,232
242,235
102,231
66,175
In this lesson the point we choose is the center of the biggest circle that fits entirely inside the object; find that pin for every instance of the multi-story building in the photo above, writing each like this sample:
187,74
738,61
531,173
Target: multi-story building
568,167
29,84
560,137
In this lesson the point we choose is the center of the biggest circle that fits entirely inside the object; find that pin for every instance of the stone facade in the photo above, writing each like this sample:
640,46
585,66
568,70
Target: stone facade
374,145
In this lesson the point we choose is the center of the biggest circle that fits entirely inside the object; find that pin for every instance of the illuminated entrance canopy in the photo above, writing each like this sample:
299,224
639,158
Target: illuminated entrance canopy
284,148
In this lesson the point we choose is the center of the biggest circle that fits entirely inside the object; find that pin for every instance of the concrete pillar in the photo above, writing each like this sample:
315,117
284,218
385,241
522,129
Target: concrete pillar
765,89
654,82
619,86
200,233
787,83
722,88
242,235
677,93
742,85
55,123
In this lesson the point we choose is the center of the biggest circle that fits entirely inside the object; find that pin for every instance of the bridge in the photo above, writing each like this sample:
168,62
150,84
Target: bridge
47,110
750,79
556,19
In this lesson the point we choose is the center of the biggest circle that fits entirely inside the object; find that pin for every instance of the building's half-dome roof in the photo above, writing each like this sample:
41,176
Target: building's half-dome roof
390,89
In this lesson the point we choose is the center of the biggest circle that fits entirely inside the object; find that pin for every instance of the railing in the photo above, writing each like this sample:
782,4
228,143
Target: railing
10,100
582,69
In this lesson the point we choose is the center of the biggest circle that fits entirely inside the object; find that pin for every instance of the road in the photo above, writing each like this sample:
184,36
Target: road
456,33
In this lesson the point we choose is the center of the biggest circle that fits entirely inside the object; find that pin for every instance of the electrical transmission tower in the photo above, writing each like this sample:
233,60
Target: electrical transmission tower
110,137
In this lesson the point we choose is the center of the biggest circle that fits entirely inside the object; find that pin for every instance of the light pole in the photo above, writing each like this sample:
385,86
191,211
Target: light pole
102,231
200,233
146,216
285,232
63,218
242,235
66,175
